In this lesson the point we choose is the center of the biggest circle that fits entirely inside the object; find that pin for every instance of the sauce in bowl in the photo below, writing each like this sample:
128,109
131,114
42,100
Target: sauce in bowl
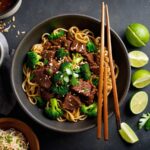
6,5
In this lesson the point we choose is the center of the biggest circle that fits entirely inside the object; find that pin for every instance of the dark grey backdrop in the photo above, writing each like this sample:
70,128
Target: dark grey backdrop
122,13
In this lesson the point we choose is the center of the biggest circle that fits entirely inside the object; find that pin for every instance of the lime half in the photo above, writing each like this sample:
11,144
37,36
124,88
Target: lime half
141,78
138,102
137,34
127,133
138,59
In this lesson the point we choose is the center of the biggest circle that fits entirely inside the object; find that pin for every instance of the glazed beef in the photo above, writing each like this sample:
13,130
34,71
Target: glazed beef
47,45
78,47
41,77
48,54
54,66
71,102
90,58
67,44
45,94
95,69
85,88
59,42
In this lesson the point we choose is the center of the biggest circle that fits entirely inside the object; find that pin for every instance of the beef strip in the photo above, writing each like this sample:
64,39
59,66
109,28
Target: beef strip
71,102
67,44
95,69
46,95
59,41
54,66
85,88
48,54
47,45
41,77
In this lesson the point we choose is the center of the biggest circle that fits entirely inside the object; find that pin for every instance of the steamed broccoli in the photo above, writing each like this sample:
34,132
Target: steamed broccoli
85,71
61,52
90,111
95,81
66,67
57,35
91,47
40,102
53,111
76,58
33,59
60,90
74,81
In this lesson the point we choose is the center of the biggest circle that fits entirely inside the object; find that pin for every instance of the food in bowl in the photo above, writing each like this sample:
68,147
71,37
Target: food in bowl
11,139
61,74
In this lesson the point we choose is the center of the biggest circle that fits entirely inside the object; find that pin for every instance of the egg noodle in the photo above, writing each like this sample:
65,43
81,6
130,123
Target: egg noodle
32,89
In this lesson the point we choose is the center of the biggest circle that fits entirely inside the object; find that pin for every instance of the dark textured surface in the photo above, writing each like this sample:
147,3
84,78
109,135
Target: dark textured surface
122,13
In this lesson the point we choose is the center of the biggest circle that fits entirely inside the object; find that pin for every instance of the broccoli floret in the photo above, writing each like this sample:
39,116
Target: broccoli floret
60,78
76,58
33,59
60,90
90,111
53,111
66,68
74,81
85,71
40,102
91,47
57,35
95,81
61,53
46,61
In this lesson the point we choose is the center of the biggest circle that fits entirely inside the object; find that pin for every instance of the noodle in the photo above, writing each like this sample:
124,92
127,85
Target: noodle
32,89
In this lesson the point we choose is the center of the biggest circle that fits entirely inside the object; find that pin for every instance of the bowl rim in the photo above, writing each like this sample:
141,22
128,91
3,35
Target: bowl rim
15,56
12,10
17,127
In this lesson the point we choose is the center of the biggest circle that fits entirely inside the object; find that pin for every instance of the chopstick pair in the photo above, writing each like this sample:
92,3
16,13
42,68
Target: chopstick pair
102,89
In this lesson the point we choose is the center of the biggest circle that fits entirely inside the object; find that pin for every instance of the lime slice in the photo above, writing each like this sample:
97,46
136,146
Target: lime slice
137,34
141,78
127,133
138,102
138,59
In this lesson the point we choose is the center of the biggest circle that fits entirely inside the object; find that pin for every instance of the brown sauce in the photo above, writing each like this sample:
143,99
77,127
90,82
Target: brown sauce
6,5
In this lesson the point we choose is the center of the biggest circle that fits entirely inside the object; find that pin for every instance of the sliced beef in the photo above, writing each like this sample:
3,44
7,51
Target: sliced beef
85,88
47,45
78,47
90,58
59,42
67,44
46,95
71,102
54,66
97,58
41,77
48,54
95,69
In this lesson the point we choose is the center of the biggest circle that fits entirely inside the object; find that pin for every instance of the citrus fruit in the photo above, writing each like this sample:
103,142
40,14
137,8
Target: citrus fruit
140,78
138,59
138,102
127,133
137,34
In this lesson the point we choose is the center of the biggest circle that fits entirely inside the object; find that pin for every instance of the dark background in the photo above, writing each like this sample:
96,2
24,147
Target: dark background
122,13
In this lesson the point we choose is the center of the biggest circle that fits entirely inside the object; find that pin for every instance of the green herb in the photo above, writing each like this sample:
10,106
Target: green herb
45,61
8,139
31,76
95,81
143,121
91,47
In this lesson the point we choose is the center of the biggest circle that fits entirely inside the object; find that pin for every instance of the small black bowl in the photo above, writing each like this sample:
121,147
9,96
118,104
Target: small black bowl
66,21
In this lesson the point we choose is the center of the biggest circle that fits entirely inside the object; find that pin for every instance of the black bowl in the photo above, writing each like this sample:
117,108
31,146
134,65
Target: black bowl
119,53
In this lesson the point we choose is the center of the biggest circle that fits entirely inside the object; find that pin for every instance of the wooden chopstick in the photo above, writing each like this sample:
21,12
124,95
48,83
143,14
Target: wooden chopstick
105,104
100,87
115,94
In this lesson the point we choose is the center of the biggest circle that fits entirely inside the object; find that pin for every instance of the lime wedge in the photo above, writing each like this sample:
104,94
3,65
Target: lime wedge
141,78
138,102
127,133
138,59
